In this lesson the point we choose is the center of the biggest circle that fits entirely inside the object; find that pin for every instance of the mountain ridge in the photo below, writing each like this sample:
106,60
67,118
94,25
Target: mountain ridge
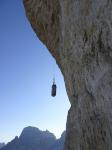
32,138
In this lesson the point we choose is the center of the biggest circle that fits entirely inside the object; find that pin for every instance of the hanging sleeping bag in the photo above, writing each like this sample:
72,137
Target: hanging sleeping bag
53,91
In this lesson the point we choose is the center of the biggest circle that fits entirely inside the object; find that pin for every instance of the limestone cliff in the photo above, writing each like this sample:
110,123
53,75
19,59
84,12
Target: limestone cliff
78,33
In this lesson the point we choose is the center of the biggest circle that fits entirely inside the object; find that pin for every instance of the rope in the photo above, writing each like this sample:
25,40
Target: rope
54,65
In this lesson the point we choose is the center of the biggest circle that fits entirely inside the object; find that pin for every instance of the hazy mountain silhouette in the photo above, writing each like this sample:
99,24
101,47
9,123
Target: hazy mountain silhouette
2,145
32,138
59,144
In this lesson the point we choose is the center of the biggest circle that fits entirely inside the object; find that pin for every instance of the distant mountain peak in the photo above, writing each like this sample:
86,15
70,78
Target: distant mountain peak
32,138
34,133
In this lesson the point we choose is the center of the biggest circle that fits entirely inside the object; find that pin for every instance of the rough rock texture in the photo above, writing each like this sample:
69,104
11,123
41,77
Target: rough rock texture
79,35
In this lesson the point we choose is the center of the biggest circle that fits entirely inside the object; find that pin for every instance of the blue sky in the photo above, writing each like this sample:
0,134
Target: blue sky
26,72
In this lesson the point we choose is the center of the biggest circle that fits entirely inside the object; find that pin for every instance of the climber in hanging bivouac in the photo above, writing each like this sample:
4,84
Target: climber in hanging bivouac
53,90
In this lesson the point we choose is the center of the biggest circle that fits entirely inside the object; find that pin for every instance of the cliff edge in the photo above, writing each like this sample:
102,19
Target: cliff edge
78,33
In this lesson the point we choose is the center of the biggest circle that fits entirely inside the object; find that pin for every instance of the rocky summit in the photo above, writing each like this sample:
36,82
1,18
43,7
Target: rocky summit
32,138
78,33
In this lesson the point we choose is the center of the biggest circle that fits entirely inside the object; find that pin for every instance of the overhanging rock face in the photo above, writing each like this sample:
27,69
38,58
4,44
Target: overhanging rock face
78,33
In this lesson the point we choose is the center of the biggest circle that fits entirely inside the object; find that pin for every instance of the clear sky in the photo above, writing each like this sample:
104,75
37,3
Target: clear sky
26,72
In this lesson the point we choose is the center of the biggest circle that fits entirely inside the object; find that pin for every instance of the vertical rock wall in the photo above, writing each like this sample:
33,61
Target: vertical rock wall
78,33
